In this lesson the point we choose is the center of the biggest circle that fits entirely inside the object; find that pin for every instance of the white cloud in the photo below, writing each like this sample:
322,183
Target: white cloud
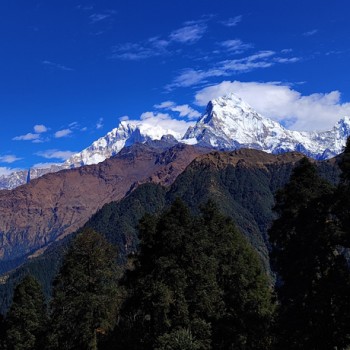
139,51
261,59
57,66
85,7
183,110
188,34
98,17
318,111
34,137
165,104
231,22
164,121
124,118
153,116
40,128
39,140
9,158
287,59
157,46
99,124
235,45
55,154
44,165
62,133
186,111
27,137
4,171
74,125
311,32
191,77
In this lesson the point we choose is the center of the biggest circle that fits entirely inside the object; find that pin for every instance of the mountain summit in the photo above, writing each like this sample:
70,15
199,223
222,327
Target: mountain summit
228,123
126,134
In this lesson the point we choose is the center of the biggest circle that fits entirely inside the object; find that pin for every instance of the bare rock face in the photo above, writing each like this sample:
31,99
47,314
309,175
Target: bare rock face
248,158
57,204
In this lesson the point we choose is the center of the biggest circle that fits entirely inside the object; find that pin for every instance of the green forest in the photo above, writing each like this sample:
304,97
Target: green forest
196,281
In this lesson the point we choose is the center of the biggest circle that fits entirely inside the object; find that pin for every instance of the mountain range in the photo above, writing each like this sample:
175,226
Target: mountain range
57,204
137,169
39,218
228,123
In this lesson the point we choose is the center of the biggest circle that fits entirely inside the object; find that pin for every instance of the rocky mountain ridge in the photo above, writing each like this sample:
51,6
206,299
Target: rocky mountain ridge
228,123
56,204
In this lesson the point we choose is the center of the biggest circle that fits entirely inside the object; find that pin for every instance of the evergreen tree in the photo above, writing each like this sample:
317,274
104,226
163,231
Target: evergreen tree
85,294
344,163
313,278
341,208
181,339
246,318
26,319
197,282
2,332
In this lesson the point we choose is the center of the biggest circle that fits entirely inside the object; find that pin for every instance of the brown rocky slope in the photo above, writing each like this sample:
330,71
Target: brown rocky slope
57,204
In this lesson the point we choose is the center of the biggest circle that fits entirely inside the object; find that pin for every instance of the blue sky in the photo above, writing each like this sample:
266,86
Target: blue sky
70,70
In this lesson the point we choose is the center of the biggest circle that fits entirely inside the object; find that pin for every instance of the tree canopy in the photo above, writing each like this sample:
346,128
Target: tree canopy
198,281
313,277
85,293
26,320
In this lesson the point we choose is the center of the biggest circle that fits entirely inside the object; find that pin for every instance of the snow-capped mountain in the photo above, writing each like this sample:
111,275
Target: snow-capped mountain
228,123
126,134
21,177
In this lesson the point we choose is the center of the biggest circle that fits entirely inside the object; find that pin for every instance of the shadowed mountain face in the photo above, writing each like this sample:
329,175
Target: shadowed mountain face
242,183
57,204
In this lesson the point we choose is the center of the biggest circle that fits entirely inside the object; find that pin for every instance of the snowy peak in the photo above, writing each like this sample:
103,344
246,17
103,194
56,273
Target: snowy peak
343,126
126,134
230,123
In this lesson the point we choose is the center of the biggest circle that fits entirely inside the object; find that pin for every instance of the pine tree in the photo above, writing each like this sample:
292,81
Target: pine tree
245,320
344,163
180,339
197,281
313,278
341,208
85,294
2,332
26,319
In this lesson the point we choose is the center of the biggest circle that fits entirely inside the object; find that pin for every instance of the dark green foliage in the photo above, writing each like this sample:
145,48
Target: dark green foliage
195,280
344,163
314,285
85,294
245,321
246,194
341,207
117,221
180,339
2,332
26,320
44,268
